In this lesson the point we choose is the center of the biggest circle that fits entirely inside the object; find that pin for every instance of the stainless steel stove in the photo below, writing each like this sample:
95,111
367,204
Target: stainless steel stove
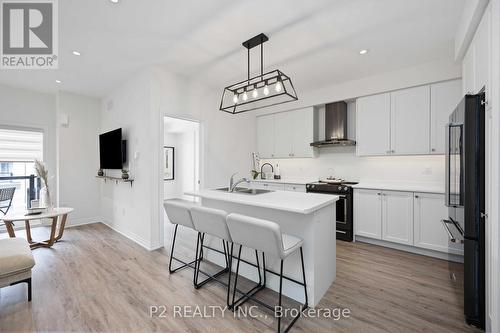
344,206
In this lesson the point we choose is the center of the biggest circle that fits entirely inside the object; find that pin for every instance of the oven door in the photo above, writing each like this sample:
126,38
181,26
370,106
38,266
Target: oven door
342,211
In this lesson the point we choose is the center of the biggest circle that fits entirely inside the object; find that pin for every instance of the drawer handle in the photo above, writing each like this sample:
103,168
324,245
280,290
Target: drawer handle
450,235
342,232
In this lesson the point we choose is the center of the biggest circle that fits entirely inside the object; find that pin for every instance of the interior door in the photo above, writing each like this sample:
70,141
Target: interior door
397,217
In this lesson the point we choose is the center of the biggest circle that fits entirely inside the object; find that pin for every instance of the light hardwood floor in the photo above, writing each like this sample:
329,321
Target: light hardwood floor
97,280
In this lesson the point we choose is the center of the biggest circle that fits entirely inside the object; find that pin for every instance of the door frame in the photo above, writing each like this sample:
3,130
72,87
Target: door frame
201,164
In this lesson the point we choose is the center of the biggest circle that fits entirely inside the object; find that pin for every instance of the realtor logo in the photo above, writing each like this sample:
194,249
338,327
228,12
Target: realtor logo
29,34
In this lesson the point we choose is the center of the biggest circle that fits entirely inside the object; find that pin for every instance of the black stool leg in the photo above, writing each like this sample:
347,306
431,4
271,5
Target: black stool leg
306,304
28,281
229,305
197,270
236,276
185,264
279,301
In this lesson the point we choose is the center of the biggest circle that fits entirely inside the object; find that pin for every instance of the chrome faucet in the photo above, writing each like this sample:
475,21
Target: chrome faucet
233,184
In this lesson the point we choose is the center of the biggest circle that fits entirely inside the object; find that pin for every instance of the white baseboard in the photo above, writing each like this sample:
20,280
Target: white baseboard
133,237
412,249
82,221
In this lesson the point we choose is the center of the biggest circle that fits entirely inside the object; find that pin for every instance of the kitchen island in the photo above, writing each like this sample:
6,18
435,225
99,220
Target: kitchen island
309,216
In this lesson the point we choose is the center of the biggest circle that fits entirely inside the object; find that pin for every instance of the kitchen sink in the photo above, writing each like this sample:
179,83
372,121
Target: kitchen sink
244,190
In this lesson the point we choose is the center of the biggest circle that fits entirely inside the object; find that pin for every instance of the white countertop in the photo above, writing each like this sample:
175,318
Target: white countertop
299,181
296,202
402,186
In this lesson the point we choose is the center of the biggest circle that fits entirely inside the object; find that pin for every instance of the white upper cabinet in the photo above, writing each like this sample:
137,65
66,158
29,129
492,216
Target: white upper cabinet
265,136
283,134
397,217
482,51
445,96
286,134
406,122
410,117
373,114
302,126
477,61
468,78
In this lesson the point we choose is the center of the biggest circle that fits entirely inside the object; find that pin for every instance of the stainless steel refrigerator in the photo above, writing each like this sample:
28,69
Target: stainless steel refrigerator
465,198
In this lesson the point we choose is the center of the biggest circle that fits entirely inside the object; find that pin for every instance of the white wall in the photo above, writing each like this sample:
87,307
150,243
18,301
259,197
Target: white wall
125,208
29,109
78,152
342,162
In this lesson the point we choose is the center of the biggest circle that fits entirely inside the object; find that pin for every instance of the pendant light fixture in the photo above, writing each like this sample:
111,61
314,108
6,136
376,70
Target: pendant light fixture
264,90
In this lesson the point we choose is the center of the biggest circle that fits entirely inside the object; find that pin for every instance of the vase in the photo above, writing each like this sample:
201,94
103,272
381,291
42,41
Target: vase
45,200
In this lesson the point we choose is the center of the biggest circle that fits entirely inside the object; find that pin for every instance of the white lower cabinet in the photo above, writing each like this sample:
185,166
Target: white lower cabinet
428,230
275,186
407,218
295,187
368,213
397,217
268,186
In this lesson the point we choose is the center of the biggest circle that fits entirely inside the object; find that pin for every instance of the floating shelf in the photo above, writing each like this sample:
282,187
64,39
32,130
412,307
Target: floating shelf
117,179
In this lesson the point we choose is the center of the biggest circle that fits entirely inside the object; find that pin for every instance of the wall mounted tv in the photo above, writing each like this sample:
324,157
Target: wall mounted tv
112,150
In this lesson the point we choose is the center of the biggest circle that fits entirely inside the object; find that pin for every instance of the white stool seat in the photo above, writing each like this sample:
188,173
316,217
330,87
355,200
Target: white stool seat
262,235
178,211
291,244
211,221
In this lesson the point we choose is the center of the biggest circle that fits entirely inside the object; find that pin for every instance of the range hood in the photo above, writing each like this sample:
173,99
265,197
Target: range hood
335,126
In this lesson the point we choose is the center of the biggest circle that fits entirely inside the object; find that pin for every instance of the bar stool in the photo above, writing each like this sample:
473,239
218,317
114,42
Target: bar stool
178,213
265,236
212,222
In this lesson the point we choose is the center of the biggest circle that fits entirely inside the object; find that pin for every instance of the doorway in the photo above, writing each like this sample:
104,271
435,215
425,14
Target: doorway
181,162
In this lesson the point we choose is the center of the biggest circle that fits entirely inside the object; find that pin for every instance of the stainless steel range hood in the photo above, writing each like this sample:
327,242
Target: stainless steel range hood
335,126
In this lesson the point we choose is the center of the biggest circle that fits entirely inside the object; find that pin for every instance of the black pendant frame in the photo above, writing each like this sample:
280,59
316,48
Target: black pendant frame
271,79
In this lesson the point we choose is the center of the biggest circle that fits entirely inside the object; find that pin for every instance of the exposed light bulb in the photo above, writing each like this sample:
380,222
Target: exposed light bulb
235,98
363,52
58,81
266,90
278,87
245,96
255,93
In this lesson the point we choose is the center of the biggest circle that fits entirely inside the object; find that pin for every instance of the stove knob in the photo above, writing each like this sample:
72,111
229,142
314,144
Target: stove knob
345,189
312,186
340,188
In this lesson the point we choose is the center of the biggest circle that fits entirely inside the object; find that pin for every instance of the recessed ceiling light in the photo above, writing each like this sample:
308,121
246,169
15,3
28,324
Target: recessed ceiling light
77,53
58,81
114,1
363,51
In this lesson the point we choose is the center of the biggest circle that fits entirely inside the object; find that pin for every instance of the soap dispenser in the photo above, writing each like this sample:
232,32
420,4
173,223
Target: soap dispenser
277,174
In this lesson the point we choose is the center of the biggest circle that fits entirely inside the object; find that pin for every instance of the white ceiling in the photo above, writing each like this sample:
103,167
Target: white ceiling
315,41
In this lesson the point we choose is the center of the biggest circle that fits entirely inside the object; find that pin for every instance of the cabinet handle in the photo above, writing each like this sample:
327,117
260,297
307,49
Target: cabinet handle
433,149
416,197
393,151
266,184
379,193
388,152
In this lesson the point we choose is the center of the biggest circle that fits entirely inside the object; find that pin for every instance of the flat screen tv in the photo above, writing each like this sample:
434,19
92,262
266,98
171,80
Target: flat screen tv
112,150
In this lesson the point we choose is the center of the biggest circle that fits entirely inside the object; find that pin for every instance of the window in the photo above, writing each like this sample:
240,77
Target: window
18,151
